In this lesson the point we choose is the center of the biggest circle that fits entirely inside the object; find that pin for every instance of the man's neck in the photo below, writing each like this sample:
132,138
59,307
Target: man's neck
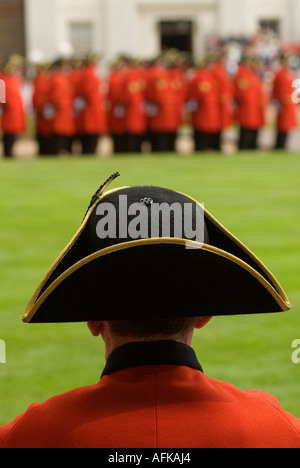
114,342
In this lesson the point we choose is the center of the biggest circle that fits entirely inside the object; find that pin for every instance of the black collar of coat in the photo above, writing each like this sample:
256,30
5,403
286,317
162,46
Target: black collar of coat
151,353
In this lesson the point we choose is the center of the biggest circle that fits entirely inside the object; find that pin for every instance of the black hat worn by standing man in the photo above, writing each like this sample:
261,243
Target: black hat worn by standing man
111,270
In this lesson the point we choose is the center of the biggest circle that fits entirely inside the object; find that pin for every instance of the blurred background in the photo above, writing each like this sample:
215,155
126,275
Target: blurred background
143,26
137,34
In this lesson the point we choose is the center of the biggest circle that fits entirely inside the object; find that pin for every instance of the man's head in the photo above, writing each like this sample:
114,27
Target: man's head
118,333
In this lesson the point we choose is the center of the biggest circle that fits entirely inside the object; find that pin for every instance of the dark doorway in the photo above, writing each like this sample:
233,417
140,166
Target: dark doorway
177,34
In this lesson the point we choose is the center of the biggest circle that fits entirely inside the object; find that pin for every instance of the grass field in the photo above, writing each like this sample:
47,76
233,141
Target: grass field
256,196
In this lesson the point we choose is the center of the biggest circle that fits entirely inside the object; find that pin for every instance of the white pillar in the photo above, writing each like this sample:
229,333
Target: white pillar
41,26
121,29
294,10
232,17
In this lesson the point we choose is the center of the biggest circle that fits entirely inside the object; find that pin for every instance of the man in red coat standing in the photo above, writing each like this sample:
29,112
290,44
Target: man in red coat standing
40,99
94,112
134,87
116,112
60,109
13,122
74,77
250,102
144,297
164,102
226,90
204,96
287,110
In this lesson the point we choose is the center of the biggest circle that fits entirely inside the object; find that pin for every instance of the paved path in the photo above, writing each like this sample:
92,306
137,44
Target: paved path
27,149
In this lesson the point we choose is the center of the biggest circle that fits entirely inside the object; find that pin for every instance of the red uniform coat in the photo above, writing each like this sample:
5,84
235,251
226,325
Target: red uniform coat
226,95
75,80
94,118
41,89
204,91
61,98
155,395
13,120
287,118
116,105
134,102
179,84
163,96
250,99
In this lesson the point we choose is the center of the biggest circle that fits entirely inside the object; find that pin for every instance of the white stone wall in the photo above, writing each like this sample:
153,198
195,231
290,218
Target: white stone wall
130,26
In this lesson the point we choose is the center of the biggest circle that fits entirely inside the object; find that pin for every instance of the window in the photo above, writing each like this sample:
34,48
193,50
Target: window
81,35
272,25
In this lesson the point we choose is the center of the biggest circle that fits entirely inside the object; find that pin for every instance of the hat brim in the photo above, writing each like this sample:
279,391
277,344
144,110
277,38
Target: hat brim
155,278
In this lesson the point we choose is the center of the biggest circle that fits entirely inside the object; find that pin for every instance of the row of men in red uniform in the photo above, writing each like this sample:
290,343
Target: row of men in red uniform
140,104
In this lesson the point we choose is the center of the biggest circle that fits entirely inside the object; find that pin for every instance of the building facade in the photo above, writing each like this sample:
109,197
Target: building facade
12,28
140,27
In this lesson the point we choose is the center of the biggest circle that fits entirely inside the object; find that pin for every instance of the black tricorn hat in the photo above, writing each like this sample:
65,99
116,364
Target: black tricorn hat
113,269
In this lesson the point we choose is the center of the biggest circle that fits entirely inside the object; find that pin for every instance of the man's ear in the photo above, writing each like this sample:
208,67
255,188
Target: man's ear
202,321
95,328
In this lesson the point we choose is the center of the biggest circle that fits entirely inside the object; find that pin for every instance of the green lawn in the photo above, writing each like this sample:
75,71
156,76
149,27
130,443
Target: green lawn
256,196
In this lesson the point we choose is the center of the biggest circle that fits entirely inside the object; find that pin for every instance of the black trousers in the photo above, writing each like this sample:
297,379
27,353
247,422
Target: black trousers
205,141
128,143
62,144
281,140
163,142
45,145
119,142
248,139
133,143
8,143
89,143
